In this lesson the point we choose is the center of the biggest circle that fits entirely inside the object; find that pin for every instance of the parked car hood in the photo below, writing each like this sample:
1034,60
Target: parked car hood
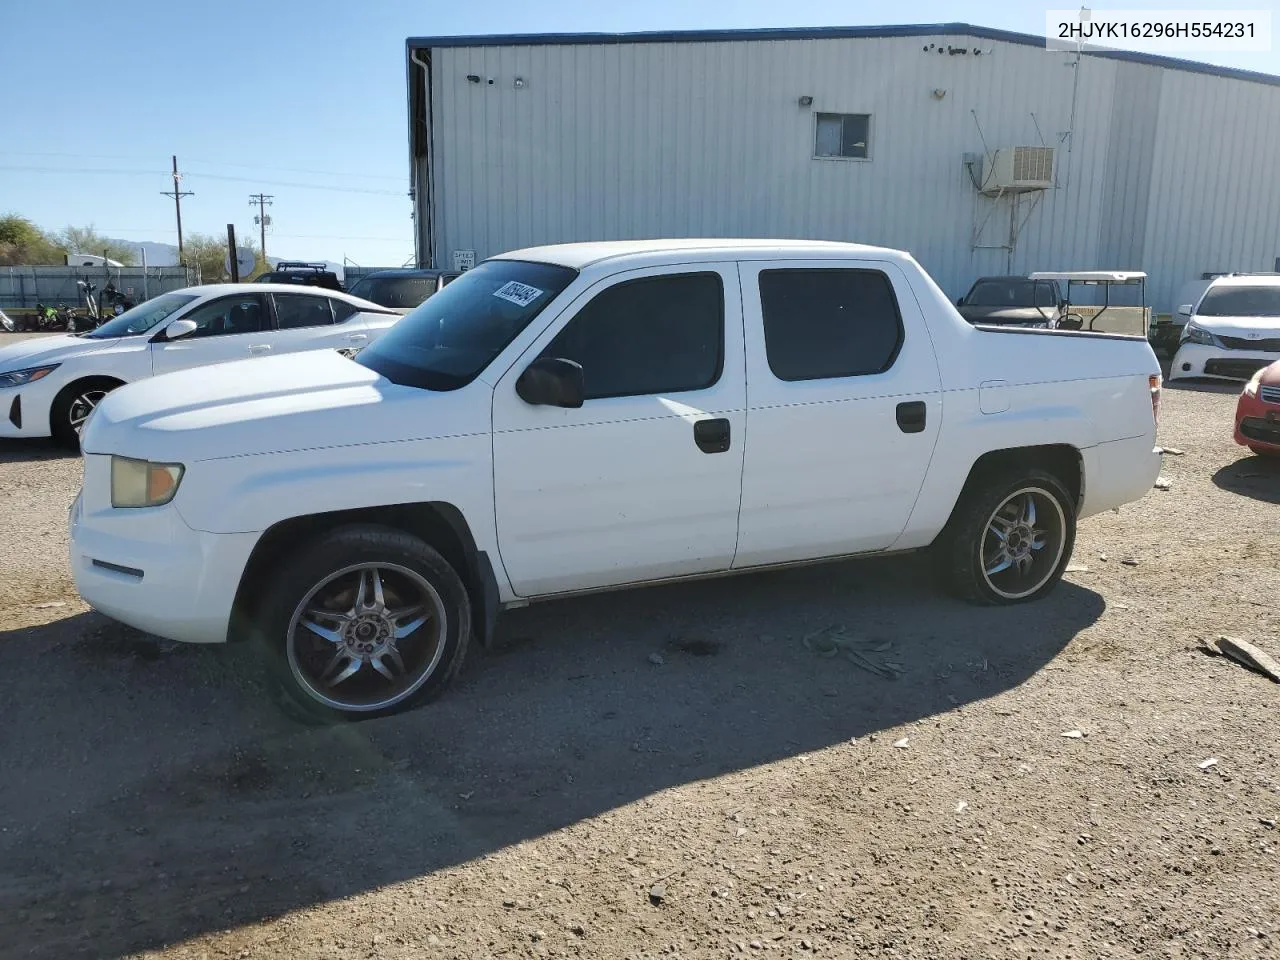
1239,326
36,351
1005,314
1271,375
298,401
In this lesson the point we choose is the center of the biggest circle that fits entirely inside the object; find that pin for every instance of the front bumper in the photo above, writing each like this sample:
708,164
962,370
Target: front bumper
31,418
1257,423
148,569
1202,360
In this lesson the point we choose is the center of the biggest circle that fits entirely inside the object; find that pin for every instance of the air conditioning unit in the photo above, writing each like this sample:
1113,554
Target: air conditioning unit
1017,169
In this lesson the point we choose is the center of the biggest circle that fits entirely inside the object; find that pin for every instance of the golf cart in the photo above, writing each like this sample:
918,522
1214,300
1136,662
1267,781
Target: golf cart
1107,301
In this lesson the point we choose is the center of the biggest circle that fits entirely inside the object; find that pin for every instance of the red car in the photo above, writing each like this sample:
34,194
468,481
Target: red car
1258,413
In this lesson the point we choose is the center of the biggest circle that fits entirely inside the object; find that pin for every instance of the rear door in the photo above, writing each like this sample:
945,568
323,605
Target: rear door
228,328
307,321
843,408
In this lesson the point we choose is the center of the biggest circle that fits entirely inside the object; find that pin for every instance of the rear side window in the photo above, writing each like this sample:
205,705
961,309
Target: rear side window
294,310
653,335
821,324
342,310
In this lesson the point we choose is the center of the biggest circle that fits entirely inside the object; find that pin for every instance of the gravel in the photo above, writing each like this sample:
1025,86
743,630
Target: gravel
156,802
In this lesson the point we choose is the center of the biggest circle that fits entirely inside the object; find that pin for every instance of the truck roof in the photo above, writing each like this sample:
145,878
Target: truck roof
579,255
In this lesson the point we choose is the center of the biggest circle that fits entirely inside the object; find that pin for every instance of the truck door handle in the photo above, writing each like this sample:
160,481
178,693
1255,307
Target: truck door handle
712,436
260,348
357,337
911,416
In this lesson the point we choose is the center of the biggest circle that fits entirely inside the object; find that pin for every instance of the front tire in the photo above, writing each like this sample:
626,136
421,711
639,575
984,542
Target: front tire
364,621
1010,538
72,406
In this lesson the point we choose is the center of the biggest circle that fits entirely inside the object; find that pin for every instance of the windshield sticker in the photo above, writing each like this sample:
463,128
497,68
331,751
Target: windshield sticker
520,294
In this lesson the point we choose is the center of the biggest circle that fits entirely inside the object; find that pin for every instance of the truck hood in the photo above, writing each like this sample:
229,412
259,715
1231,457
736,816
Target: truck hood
38,351
996,315
1265,327
297,401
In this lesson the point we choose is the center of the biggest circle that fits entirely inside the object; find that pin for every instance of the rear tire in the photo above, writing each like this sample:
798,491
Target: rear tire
72,406
364,621
1010,537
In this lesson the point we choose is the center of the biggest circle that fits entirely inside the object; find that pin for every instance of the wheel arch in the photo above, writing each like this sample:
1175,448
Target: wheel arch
1063,460
78,382
438,523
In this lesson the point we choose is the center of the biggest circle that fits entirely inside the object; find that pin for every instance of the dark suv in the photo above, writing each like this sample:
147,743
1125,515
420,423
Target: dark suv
308,274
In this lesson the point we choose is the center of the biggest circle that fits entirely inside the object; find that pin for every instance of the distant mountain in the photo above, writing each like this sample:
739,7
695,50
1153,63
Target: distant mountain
166,254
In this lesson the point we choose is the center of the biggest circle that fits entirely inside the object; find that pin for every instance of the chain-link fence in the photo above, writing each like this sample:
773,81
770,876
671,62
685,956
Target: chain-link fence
24,287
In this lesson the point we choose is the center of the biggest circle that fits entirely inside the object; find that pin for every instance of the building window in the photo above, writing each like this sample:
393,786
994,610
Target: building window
829,323
843,135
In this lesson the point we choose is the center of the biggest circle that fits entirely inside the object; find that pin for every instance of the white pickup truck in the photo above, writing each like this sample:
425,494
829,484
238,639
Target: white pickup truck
594,416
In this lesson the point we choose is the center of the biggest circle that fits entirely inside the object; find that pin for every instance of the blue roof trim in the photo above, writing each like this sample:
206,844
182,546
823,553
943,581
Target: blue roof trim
826,33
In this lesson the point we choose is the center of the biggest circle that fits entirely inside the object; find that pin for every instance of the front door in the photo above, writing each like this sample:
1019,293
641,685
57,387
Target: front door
228,328
843,408
643,481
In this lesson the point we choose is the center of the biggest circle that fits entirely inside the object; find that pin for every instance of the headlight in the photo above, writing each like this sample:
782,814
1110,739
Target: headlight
18,378
1251,388
1194,333
139,483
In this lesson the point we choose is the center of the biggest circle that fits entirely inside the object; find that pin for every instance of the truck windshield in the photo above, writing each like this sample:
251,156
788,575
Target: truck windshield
453,335
1010,293
1241,302
143,317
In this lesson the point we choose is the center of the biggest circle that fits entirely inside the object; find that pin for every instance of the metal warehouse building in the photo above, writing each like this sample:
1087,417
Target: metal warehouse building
978,150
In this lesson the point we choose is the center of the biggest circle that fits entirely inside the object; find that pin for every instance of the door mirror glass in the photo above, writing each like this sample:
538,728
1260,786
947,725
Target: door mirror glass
1184,310
179,329
552,382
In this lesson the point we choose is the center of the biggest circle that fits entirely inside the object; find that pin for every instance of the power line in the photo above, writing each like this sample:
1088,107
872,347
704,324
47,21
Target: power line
208,176
211,163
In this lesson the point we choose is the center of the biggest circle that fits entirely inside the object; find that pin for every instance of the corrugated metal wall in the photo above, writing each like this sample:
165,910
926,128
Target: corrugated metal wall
616,141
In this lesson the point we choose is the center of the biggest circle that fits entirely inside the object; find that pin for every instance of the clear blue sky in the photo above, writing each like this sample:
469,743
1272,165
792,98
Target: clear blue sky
287,98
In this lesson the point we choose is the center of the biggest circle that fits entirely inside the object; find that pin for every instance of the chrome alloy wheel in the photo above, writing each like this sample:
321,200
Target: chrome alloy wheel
366,637
1022,543
82,406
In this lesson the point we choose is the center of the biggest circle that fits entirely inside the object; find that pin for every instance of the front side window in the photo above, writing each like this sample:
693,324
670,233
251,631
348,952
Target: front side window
145,316
230,315
826,323
294,310
846,135
1240,302
446,342
649,336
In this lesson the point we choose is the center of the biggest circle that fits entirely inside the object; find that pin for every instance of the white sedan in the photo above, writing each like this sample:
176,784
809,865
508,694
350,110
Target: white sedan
50,385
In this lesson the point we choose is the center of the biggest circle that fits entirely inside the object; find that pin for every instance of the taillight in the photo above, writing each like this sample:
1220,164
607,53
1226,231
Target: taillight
1154,382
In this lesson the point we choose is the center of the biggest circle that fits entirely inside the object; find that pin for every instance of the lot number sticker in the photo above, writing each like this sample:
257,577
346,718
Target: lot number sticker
518,293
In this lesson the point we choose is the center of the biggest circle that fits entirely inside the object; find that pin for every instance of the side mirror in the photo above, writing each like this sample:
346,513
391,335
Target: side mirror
1184,310
179,329
552,382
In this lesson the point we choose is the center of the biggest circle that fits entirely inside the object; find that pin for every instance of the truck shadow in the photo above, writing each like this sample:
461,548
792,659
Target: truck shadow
21,451
1251,476
153,793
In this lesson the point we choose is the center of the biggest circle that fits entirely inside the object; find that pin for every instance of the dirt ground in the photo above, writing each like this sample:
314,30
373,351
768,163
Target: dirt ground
575,795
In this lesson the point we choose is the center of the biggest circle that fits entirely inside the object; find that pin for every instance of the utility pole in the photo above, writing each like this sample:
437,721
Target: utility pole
178,193
262,201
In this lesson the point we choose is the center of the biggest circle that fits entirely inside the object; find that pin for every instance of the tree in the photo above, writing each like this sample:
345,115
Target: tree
22,242
209,254
88,240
